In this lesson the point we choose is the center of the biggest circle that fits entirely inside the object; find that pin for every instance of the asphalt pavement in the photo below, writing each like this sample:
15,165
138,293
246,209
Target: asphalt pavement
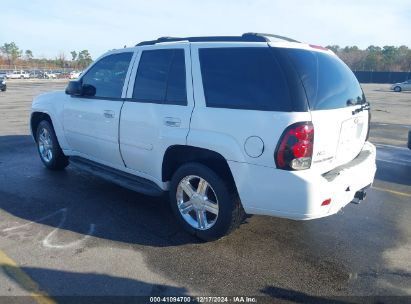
74,234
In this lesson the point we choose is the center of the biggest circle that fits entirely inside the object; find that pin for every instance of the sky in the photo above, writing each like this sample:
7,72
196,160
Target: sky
49,27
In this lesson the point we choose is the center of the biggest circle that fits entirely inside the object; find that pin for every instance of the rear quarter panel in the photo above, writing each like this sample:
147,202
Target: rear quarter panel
227,131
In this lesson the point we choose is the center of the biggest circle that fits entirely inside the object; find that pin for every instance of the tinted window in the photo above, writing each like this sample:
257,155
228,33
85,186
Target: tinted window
328,82
243,78
161,77
107,75
176,89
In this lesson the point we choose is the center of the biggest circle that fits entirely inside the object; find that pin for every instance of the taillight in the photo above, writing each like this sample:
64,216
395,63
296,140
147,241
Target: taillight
295,149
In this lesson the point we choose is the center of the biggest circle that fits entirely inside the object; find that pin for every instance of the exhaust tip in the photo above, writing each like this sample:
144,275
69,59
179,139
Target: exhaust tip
361,195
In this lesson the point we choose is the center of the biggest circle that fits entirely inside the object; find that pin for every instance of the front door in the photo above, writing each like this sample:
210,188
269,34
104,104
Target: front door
91,122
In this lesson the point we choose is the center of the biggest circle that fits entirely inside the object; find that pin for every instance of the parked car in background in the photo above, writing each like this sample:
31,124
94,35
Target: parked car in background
18,75
41,75
49,75
74,75
34,74
3,85
63,75
402,86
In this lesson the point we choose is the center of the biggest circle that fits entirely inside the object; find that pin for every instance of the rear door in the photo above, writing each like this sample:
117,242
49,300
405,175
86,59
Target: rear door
158,107
338,108
91,124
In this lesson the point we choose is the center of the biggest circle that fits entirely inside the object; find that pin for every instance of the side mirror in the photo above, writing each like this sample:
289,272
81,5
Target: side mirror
74,88
88,90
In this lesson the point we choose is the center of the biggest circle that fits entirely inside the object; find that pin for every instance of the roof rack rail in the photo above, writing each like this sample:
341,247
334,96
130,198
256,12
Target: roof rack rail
271,36
247,37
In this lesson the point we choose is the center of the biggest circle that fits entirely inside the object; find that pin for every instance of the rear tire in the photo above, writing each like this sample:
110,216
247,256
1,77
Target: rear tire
221,212
397,89
48,147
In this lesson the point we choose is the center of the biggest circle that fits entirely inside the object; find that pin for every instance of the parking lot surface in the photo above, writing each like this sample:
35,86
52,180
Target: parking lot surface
69,233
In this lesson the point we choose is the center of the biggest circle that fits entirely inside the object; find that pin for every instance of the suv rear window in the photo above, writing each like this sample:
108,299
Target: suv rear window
328,82
243,78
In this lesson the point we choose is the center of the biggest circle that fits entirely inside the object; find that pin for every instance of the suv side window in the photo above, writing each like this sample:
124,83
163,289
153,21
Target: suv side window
107,75
161,77
243,78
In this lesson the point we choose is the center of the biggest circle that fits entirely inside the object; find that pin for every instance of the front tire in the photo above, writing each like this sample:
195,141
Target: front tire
48,147
203,203
397,89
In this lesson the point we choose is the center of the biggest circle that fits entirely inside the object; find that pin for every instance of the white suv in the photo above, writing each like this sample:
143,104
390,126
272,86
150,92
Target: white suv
256,124
18,75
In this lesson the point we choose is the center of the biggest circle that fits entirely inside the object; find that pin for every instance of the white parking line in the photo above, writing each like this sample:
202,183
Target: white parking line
391,146
388,124
47,241
400,163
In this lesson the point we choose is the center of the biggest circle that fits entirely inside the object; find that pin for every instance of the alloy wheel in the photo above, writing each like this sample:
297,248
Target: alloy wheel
197,202
45,145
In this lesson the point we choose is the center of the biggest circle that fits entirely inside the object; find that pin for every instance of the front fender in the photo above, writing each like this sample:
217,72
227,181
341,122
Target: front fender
52,104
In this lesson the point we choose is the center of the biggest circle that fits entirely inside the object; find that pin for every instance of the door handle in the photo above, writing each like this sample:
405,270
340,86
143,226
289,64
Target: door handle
172,122
109,114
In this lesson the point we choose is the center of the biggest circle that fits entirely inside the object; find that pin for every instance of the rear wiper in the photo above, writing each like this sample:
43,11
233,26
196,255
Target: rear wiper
351,102
364,107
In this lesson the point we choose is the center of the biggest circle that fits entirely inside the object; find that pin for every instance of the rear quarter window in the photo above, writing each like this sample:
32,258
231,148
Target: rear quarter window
243,78
328,82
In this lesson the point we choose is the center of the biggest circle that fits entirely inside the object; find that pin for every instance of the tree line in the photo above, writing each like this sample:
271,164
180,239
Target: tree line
373,58
12,56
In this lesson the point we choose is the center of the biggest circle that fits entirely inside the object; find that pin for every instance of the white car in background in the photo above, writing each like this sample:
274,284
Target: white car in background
402,86
18,75
50,75
74,75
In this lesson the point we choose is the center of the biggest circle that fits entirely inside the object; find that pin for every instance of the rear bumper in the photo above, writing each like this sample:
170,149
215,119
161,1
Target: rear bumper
299,194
